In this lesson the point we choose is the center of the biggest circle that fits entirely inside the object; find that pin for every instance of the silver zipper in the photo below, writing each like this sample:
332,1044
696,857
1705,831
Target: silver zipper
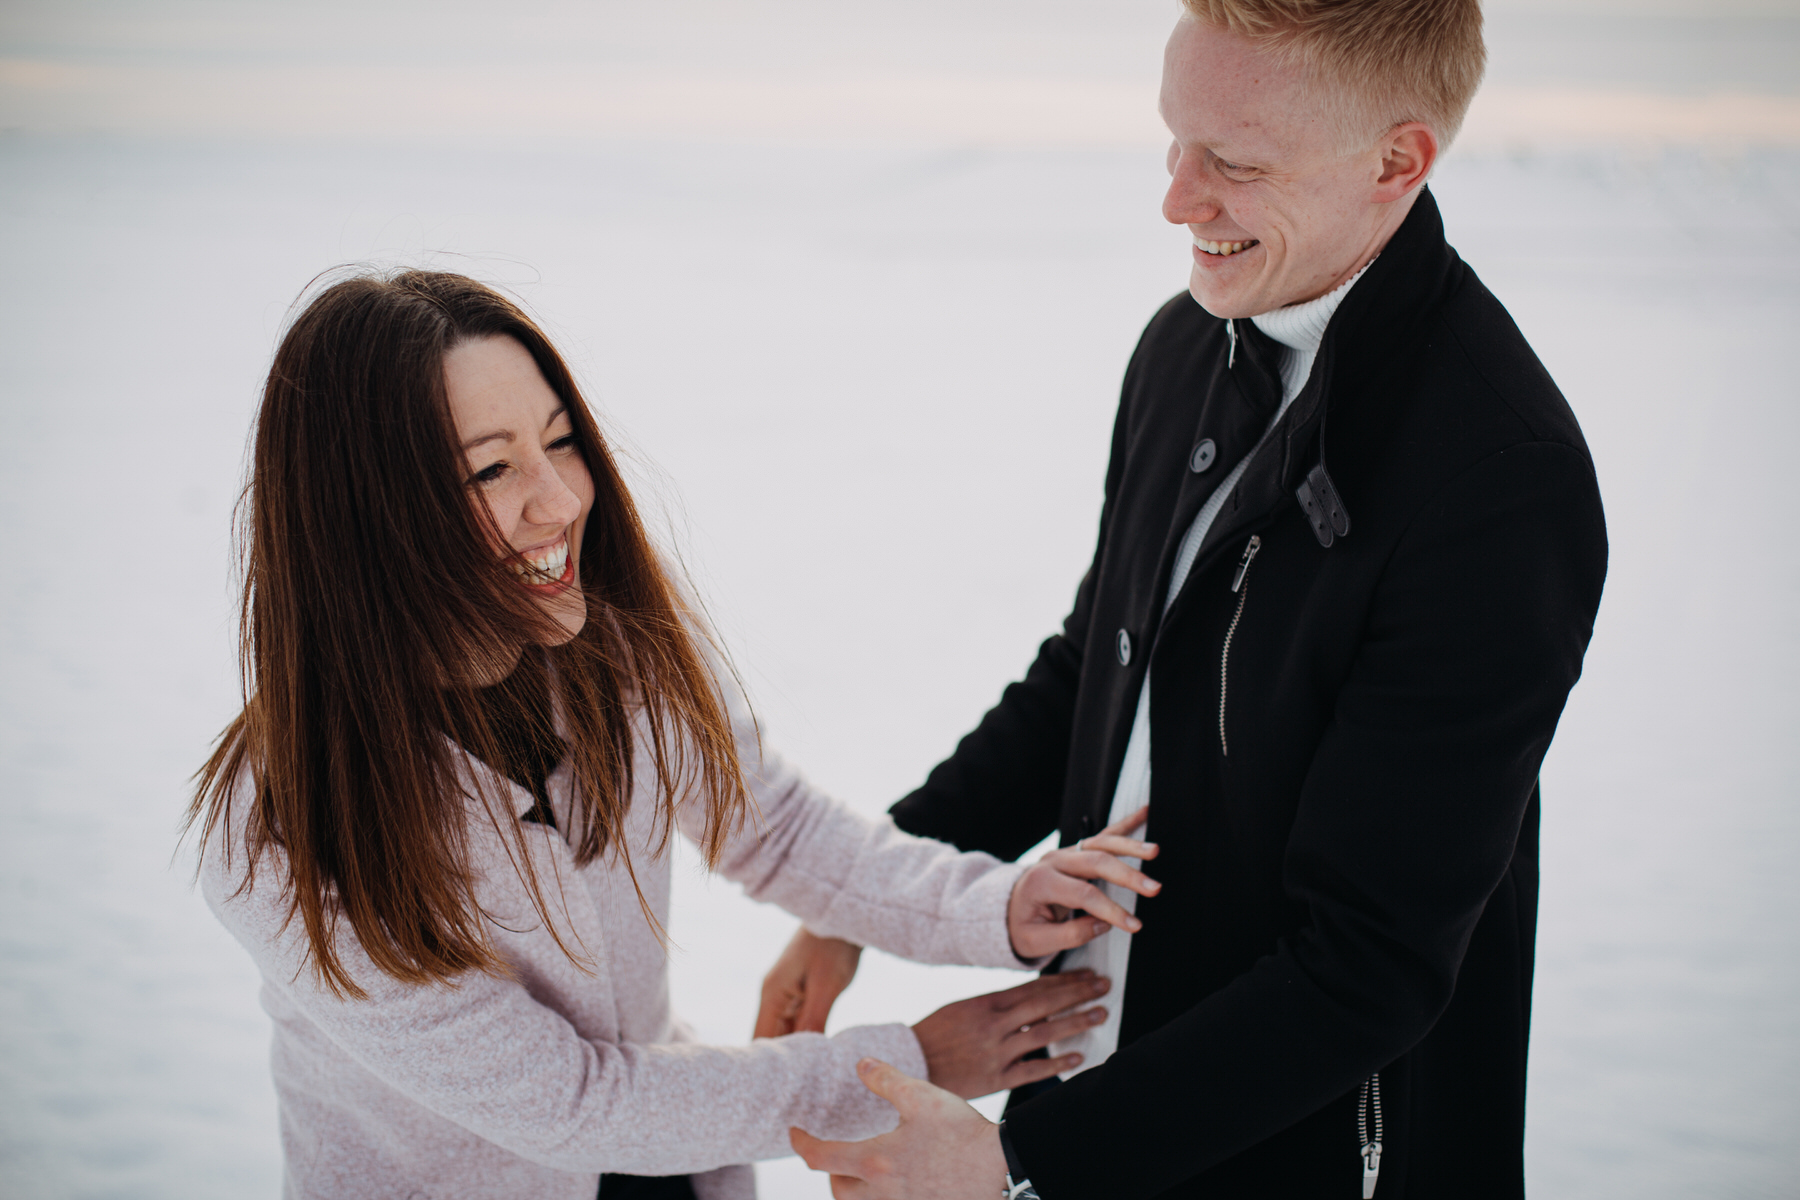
1371,1150
1237,586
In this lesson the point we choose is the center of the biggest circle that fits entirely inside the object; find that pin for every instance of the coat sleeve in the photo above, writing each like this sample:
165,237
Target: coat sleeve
849,876
484,1054
1406,824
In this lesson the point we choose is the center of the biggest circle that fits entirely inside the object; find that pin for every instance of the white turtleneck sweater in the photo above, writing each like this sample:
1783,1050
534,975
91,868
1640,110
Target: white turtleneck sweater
1300,328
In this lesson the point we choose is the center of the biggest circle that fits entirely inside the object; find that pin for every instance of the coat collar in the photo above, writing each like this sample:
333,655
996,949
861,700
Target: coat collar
1412,275
1363,342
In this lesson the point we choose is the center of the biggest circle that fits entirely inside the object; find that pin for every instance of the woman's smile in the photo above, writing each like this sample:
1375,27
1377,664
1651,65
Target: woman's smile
546,570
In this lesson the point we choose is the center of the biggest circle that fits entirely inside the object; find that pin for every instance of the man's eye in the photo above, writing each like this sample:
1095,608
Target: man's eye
1231,166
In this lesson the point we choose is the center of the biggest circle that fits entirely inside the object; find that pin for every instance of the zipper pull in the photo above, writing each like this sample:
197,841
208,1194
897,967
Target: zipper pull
1371,1155
1250,549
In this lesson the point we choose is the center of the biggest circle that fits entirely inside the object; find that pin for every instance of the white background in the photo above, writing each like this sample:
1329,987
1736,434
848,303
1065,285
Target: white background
854,287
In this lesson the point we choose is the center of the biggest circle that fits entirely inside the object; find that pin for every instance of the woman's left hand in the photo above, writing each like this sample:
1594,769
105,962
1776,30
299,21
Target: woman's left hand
1056,906
978,1046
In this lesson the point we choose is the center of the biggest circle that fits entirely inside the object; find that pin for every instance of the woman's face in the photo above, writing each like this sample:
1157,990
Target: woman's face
524,464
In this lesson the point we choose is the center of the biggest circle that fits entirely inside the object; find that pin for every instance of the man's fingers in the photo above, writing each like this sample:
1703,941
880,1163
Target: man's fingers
775,1015
834,1158
768,1025
848,1187
891,1084
1128,824
815,1007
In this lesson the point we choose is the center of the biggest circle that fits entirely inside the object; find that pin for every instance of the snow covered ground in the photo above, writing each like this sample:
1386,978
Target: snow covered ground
868,386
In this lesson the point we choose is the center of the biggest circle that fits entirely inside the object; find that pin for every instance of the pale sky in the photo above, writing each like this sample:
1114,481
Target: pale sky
1031,72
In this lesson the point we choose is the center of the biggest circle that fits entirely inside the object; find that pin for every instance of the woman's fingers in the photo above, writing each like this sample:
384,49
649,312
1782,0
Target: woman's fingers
1124,847
1012,997
1059,1029
1127,824
1053,937
1055,887
1052,994
1030,1070
1094,864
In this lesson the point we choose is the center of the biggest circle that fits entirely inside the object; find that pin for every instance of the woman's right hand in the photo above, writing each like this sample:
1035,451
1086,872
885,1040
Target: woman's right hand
977,1046
1057,904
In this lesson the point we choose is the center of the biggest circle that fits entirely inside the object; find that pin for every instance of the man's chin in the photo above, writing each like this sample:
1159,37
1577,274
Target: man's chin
1227,304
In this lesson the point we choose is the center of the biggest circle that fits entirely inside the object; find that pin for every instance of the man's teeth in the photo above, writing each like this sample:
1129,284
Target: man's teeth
545,565
1223,247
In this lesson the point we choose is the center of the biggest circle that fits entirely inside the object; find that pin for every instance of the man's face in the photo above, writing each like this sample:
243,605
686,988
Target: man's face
1278,214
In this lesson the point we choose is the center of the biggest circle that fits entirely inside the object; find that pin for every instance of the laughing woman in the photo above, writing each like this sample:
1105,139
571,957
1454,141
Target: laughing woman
477,710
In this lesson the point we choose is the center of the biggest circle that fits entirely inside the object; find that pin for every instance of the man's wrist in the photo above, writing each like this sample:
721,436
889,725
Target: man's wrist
1018,1181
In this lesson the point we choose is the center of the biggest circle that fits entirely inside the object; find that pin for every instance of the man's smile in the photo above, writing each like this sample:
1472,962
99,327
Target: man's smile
1223,249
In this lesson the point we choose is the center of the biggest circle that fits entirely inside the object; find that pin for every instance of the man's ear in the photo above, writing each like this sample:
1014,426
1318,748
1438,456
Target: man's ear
1408,152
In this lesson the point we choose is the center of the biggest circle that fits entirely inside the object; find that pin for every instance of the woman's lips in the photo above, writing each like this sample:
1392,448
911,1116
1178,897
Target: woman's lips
557,585
547,570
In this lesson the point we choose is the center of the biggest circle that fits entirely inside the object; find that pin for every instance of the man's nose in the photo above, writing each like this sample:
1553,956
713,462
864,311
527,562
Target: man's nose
1189,200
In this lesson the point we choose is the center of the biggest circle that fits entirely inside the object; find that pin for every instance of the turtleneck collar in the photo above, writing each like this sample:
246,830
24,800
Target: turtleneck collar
1302,326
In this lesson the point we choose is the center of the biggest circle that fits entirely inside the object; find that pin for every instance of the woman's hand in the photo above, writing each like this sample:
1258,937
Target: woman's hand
978,1046
799,990
1047,899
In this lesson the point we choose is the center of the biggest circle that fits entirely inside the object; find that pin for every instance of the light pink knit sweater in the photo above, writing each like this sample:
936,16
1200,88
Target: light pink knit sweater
532,1087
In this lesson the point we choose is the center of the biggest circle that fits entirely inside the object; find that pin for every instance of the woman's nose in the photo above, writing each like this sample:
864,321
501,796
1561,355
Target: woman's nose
551,501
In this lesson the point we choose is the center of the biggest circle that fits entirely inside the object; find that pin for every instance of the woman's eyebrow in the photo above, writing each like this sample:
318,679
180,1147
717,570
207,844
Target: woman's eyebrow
499,435
507,435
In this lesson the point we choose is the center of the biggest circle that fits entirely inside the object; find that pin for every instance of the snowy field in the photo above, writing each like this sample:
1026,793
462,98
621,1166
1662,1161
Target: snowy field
867,386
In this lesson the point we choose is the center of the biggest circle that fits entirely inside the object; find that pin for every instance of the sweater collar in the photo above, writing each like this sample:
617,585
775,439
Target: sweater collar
1301,326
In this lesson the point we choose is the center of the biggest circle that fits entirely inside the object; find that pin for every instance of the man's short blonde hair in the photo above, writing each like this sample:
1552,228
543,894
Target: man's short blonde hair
1373,64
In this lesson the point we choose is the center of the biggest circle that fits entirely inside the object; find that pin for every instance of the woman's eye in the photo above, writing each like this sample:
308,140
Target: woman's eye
488,474
566,442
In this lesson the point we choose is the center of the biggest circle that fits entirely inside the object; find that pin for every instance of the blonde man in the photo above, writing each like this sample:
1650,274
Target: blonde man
1348,567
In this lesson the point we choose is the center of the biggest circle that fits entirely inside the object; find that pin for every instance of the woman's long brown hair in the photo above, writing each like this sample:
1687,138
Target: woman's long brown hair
373,607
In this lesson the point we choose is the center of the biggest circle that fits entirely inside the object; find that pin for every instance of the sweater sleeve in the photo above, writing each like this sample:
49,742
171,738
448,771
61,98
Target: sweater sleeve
862,879
483,1053
1406,825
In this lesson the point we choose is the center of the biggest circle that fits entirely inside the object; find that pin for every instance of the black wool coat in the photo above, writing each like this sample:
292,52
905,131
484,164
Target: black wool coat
1345,746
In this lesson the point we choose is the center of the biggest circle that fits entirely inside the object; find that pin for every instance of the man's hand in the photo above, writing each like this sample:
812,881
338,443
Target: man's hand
799,990
943,1149
976,1047
1041,917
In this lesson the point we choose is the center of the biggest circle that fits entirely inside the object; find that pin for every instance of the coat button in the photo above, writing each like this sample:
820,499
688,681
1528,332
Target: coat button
1124,648
1203,456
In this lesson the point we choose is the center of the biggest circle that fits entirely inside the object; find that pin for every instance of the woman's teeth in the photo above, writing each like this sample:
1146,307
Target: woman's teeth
1223,247
544,566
